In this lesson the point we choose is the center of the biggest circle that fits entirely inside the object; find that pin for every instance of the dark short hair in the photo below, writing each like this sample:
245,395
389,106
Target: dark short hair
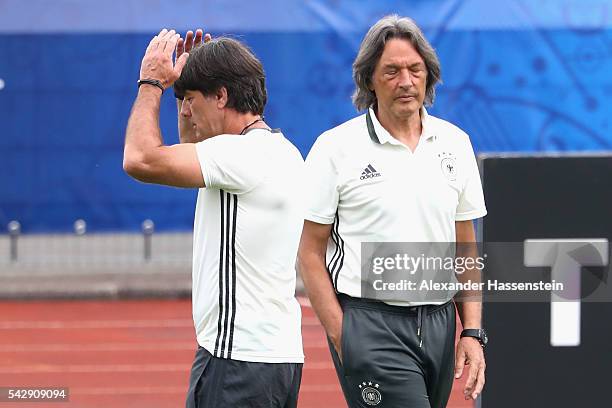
225,62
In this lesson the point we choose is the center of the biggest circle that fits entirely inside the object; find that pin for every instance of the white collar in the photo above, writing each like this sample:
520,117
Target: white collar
382,135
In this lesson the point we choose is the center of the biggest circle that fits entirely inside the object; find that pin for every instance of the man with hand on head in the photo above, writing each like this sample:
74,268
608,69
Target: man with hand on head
394,174
248,215
191,40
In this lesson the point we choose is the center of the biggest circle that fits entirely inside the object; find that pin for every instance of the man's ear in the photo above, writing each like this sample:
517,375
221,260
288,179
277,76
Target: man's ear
221,96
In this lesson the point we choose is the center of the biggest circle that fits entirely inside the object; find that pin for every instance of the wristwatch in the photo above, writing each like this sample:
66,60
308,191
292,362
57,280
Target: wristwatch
478,334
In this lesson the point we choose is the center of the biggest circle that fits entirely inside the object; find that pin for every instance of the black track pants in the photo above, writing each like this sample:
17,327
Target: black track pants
395,356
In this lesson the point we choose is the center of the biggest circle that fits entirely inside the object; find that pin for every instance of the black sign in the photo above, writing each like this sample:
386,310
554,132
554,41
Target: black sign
540,355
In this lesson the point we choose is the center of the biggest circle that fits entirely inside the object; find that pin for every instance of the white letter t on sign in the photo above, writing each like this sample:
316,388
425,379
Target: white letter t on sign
565,256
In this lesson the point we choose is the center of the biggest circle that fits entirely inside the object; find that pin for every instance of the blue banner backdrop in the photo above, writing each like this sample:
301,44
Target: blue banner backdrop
516,78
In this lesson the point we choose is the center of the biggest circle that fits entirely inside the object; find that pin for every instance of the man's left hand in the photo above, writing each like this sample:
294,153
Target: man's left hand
469,352
157,62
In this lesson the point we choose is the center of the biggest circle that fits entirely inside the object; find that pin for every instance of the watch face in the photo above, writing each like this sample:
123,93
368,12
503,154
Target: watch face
483,336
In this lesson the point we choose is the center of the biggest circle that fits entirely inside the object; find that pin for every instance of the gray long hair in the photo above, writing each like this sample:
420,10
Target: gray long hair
371,49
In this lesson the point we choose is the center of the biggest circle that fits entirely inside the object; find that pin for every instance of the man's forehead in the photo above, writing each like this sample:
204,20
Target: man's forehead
400,51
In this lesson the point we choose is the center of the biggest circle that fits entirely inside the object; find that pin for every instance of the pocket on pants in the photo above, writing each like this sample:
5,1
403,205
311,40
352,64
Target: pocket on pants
201,365
344,344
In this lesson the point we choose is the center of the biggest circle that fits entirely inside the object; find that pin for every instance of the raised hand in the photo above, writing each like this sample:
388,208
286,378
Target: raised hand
191,41
184,47
157,61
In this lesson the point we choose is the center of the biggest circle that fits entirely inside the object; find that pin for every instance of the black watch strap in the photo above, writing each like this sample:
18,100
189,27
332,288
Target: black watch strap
153,82
478,334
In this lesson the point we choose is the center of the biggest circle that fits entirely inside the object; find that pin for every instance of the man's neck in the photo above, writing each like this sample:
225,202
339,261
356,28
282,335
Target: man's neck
239,122
406,129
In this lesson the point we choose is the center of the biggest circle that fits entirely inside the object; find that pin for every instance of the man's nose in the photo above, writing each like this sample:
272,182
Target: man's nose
405,79
185,109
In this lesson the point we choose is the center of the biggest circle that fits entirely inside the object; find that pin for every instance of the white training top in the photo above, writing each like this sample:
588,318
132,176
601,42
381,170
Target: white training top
248,222
375,189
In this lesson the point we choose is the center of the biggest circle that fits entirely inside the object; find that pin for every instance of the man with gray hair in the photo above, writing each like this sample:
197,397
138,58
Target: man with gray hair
394,174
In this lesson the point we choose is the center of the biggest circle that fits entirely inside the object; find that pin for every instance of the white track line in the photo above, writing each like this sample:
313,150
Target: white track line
144,347
124,368
74,391
45,348
89,368
112,324
95,324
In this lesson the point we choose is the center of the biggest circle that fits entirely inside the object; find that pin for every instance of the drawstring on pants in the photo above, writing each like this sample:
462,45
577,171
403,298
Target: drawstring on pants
420,324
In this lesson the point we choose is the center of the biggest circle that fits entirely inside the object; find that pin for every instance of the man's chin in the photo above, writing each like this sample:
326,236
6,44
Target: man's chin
407,110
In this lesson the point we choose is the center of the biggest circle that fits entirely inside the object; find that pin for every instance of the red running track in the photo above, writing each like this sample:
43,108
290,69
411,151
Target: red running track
134,353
